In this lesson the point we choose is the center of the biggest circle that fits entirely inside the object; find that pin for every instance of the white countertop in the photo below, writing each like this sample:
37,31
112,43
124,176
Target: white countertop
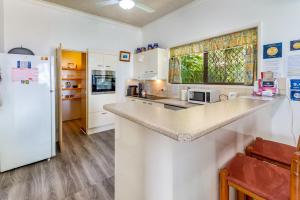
192,123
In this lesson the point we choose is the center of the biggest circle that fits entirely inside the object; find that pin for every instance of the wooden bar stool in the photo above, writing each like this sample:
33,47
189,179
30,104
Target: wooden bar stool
260,180
273,152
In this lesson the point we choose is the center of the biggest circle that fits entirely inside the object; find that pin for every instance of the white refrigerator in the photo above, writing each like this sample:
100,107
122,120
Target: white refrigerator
27,110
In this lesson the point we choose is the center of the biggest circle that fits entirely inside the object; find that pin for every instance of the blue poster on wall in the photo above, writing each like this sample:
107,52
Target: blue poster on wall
295,84
273,51
295,89
295,45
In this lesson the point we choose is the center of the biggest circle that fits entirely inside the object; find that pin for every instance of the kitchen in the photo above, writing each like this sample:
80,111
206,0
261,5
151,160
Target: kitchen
152,114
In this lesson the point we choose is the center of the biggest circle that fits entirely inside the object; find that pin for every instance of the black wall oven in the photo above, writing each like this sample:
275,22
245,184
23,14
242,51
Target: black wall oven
103,81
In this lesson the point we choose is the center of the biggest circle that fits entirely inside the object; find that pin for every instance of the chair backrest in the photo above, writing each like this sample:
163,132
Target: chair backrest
295,177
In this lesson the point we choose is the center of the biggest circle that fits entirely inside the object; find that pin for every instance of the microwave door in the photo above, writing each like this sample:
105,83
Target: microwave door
199,97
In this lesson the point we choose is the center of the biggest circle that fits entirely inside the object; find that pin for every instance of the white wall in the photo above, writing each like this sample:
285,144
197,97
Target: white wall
199,20
1,27
41,27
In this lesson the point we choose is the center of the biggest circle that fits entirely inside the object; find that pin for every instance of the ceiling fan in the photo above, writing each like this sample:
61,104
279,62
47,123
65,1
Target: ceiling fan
127,4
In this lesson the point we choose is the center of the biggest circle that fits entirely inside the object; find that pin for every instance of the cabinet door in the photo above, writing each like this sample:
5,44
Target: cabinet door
100,119
97,102
151,61
110,62
163,64
139,65
95,60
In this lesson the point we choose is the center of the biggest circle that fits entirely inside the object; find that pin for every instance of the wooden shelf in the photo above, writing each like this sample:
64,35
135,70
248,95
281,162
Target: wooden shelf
71,88
69,69
71,99
71,79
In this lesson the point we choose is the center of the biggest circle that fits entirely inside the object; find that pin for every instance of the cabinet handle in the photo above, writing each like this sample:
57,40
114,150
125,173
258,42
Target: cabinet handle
99,65
150,103
144,102
132,100
107,66
103,113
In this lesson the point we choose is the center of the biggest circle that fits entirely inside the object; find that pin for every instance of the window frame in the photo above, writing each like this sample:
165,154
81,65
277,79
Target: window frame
205,75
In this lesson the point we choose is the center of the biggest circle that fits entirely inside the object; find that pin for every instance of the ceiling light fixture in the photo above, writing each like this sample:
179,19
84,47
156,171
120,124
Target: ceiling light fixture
126,4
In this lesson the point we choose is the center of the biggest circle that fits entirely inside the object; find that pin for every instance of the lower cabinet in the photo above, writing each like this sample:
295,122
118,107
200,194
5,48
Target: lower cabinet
100,119
151,103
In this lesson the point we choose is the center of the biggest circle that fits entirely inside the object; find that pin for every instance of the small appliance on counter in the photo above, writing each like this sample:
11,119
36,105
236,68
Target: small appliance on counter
141,91
132,90
184,95
267,85
203,96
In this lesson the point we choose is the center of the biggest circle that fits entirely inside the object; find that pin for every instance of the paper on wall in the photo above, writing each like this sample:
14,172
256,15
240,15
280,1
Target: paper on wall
293,65
25,74
273,65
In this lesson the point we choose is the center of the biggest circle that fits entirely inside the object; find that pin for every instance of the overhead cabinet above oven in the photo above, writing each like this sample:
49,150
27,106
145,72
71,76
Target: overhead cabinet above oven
151,65
102,61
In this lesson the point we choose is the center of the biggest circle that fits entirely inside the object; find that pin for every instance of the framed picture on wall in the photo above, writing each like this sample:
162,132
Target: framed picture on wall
125,56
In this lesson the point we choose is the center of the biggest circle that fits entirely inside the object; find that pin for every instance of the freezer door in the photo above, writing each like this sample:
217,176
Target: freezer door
25,111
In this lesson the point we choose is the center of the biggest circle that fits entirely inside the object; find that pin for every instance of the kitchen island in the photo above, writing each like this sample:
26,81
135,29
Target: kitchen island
163,154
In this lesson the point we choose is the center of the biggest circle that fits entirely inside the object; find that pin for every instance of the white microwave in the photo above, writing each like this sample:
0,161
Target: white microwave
203,96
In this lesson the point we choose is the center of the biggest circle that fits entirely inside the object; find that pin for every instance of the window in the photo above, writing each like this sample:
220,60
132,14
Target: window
227,66
229,59
192,69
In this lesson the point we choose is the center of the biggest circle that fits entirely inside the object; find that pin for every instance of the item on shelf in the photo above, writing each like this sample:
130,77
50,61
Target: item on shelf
150,47
144,49
75,86
69,96
155,45
68,84
138,50
71,66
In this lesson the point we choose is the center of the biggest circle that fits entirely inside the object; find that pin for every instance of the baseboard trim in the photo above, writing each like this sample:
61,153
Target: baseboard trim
100,129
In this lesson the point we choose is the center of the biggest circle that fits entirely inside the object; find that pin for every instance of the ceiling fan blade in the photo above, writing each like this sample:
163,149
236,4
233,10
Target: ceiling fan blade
108,2
144,7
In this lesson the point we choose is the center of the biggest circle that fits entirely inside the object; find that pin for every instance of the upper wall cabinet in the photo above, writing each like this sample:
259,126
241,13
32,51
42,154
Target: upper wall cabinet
151,65
102,61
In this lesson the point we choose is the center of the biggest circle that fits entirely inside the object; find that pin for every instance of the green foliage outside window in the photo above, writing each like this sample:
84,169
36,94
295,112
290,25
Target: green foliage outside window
192,69
224,67
227,66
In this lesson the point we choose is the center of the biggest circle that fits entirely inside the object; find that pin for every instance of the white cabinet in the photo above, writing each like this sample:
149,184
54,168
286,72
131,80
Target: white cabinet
110,62
151,103
95,60
102,61
151,65
99,119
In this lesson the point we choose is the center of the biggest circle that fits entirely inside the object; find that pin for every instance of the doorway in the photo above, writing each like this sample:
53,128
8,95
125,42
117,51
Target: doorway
72,89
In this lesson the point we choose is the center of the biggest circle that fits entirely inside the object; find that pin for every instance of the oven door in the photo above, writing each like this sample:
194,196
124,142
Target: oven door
103,81
197,97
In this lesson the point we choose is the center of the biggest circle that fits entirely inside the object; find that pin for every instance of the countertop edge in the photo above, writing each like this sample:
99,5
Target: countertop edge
186,137
233,119
147,125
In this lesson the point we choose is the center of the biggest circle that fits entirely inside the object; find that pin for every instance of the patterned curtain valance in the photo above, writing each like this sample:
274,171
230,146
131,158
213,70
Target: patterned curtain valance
241,38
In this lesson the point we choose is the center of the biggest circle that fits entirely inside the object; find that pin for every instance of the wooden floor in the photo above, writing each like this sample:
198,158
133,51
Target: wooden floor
84,170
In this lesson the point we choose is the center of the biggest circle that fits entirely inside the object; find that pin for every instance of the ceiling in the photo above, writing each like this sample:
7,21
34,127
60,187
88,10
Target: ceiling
134,16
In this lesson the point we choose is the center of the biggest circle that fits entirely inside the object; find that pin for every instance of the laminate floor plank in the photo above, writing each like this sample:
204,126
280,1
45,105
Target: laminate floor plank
83,171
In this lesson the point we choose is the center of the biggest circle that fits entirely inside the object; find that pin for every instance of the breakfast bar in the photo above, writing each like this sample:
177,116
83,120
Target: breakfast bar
163,154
